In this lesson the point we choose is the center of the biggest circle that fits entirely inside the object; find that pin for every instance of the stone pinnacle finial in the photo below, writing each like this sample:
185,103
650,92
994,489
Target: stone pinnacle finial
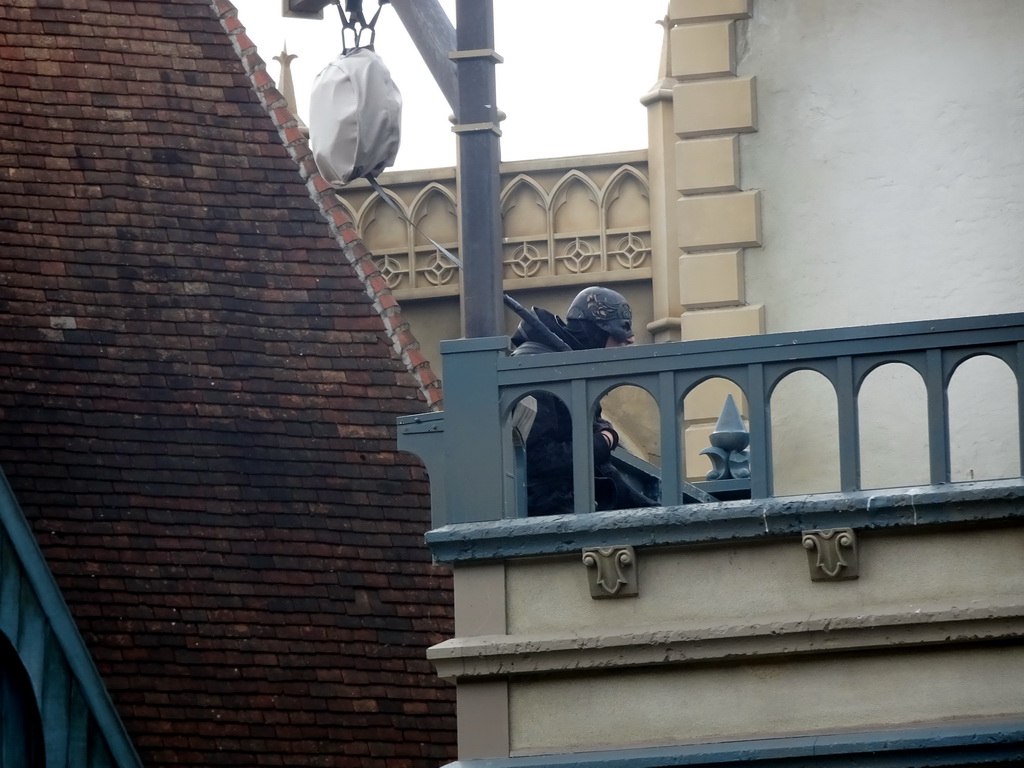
663,87
665,59
287,87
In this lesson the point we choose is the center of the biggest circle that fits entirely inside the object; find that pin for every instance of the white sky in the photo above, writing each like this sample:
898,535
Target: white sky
571,82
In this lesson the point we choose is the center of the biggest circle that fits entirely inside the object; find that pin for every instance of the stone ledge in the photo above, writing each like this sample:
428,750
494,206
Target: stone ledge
982,740
483,656
986,501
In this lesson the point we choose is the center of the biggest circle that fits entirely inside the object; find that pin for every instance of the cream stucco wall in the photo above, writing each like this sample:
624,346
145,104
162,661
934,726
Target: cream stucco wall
890,154
890,150
761,585
659,706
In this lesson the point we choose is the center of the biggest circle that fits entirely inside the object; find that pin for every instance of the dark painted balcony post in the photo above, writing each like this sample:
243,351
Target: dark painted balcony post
849,427
938,417
671,441
473,436
583,451
760,434
1020,403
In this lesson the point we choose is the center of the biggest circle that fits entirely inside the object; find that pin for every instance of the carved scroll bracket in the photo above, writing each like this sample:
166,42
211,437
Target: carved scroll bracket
832,554
611,572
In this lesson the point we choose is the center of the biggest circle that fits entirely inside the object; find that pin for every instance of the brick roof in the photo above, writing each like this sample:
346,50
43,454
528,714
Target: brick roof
201,374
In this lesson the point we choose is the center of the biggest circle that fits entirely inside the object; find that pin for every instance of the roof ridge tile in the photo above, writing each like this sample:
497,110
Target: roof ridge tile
342,228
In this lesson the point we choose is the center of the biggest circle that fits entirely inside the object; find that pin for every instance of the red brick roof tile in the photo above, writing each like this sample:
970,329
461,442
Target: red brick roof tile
201,380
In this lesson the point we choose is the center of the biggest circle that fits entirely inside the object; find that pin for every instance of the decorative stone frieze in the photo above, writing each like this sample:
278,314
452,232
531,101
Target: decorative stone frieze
576,227
561,226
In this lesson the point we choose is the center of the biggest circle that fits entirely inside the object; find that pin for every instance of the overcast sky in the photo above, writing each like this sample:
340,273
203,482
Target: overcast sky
571,82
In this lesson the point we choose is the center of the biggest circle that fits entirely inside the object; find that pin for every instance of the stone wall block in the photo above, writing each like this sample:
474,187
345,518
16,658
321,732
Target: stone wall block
703,50
724,105
709,222
704,10
708,165
723,323
708,280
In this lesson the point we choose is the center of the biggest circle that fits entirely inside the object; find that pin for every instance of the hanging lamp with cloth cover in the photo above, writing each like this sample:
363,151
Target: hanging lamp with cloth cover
355,109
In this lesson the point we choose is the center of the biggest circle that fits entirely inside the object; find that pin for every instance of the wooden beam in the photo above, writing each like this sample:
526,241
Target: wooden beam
434,36
428,26
304,9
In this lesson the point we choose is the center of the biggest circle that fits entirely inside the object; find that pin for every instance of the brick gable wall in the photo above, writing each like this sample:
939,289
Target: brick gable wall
198,400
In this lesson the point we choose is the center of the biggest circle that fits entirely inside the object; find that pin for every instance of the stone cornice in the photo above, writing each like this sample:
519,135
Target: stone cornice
991,502
902,626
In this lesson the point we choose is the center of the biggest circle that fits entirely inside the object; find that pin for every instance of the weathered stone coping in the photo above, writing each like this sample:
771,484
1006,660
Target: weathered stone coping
945,744
988,501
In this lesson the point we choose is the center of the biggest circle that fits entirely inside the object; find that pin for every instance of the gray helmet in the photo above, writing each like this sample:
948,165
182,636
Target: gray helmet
600,309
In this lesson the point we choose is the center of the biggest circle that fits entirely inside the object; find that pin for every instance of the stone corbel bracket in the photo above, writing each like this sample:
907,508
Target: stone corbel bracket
832,554
611,572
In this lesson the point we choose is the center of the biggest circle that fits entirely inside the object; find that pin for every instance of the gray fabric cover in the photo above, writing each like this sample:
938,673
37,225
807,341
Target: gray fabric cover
355,116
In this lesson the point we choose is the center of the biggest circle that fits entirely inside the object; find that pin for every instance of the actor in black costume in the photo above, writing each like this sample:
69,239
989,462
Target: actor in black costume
598,317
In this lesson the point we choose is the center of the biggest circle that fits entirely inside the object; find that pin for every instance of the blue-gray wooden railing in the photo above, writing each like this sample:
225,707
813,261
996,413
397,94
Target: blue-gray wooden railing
79,724
468,453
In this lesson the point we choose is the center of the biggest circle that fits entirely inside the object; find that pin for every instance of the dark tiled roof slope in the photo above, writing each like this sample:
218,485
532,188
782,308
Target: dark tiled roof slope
198,401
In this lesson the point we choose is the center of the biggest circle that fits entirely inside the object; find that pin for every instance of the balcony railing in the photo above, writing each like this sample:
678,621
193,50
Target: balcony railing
469,450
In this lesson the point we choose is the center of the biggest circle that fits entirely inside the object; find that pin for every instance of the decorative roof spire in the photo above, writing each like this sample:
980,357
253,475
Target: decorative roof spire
287,87
663,87
665,59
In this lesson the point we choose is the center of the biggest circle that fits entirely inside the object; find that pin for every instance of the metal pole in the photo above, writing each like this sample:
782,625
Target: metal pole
479,155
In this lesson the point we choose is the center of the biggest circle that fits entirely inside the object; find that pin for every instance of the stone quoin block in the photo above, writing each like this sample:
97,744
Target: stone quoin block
711,279
723,323
703,50
705,107
707,165
704,10
706,222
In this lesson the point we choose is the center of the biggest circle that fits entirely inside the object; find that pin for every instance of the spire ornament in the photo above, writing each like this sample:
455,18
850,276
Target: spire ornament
287,85
729,441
